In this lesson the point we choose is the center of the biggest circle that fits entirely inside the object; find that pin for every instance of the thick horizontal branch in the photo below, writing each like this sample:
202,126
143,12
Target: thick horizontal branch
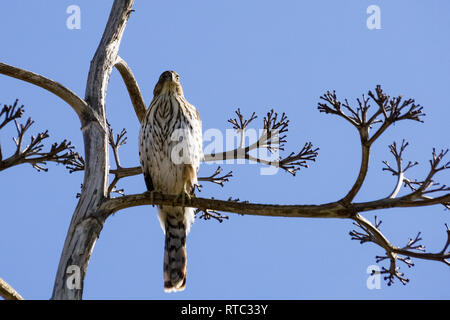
78,104
331,210
328,210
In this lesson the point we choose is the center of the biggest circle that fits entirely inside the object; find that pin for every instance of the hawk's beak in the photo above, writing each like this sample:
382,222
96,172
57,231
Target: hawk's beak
167,76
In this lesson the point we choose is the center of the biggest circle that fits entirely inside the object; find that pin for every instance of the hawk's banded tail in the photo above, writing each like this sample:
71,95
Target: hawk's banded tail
175,258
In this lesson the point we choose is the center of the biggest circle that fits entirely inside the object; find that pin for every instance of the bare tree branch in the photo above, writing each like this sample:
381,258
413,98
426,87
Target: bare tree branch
62,152
420,189
329,210
372,233
216,177
7,292
273,138
78,104
424,187
132,86
134,171
115,144
126,172
390,110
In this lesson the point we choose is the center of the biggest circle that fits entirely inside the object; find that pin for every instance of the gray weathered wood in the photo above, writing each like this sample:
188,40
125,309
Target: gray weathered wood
86,224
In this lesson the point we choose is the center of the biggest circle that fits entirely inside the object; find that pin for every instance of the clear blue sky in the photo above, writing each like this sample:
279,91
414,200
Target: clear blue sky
255,55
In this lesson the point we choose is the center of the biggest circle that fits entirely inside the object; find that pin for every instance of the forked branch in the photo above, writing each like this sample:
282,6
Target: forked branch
413,248
389,110
272,138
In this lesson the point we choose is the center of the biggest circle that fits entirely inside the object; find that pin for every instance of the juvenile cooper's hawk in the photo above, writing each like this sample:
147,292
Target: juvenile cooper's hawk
170,150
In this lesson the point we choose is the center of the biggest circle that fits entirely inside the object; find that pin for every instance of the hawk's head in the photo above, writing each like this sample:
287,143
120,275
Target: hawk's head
169,82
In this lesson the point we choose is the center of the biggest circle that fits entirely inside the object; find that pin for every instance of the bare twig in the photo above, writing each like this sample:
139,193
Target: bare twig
115,144
400,171
207,214
294,161
422,189
10,113
216,177
240,123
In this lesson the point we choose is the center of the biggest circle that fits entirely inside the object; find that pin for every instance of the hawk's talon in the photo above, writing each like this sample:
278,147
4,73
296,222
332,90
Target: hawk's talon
152,197
183,196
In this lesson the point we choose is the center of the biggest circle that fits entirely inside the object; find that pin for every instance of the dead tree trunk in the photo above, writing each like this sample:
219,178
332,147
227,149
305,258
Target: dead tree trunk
86,222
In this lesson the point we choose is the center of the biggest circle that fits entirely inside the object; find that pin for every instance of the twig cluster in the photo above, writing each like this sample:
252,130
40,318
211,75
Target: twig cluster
62,152
413,248
240,123
10,113
389,111
208,214
272,138
216,178
419,189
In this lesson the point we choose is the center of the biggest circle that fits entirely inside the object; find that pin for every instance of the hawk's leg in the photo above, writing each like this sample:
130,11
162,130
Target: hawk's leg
149,185
152,196
188,178
183,195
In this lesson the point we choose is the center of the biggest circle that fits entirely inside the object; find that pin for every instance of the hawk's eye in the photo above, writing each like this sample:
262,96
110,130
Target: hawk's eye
177,77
